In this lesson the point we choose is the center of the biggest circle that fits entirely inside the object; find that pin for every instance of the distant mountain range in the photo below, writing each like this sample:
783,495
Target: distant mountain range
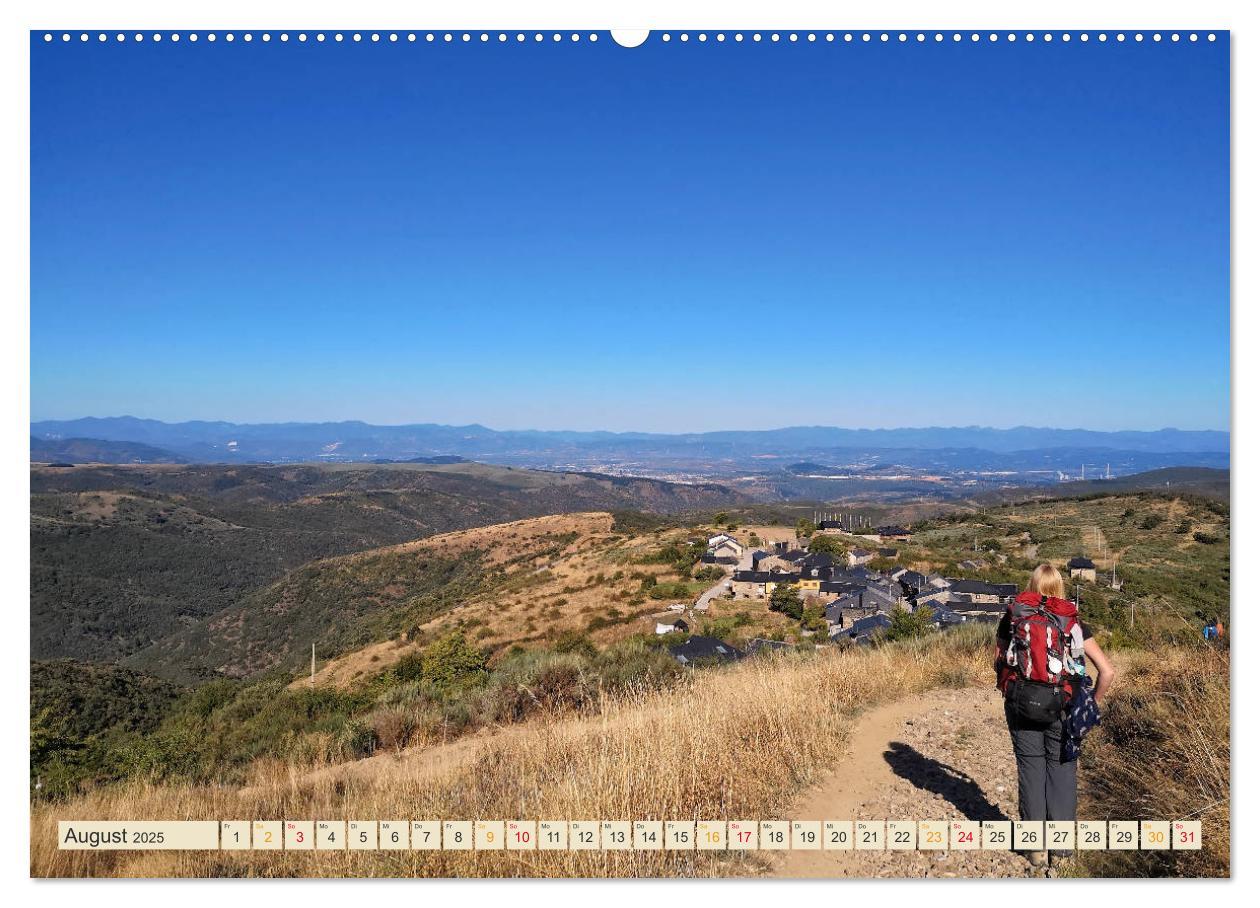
224,442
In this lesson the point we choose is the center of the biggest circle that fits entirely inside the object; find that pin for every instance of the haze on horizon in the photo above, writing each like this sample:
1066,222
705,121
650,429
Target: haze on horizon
663,239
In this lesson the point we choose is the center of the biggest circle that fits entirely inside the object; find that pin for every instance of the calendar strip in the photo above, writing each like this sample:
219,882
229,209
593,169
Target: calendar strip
630,835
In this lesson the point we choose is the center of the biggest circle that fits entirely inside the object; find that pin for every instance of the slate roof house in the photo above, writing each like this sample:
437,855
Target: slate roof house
699,650
665,627
982,592
1082,568
859,557
861,630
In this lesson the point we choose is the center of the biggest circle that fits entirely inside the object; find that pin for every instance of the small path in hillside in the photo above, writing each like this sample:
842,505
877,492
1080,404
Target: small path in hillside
943,755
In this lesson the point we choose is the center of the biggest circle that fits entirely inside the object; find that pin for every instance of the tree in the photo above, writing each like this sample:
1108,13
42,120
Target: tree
805,527
720,518
785,600
828,544
907,624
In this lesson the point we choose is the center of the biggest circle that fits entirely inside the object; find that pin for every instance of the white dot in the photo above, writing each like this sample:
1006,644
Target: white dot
884,36
575,37
302,36
957,37
100,37
502,37
1102,37
901,37
665,37
47,36
866,36
249,37
230,37
139,37
774,37
376,37
684,37
1176,37
595,37
520,37
831,37
938,37
358,37
1211,37
1158,37
811,37
121,37
193,37
1120,37
1028,37
1194,37
1084,37
974,37
792,37
538,36
446,37
1048,37
83,37
721,37
739,36
848,37
1137,37
555,37
919,37
393,37
757,37
1067,37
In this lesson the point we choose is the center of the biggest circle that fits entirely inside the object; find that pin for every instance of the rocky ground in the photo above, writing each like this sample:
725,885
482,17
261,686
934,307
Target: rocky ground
942,756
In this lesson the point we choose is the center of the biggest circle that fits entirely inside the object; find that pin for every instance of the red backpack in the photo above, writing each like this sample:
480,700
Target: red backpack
1035,670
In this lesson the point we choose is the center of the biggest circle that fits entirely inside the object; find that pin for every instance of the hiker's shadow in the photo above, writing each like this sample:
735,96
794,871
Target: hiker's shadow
951,784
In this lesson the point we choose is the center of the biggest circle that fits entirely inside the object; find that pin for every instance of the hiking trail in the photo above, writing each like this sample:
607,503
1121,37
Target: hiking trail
942,755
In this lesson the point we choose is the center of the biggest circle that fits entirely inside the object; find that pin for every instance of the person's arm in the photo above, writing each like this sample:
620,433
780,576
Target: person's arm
1106,672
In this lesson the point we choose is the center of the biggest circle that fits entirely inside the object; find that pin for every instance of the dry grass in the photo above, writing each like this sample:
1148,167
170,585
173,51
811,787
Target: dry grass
726,744
1163,752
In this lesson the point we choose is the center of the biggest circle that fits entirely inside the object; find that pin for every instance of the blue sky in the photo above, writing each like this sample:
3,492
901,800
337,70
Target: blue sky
669,238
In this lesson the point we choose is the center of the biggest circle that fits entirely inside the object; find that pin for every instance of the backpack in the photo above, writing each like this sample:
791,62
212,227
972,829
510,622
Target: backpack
1038,668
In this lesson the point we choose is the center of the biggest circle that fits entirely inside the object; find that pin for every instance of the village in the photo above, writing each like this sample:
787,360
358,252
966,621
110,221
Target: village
858,591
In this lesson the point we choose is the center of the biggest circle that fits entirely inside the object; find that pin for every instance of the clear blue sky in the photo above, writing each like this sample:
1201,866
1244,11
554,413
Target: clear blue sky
673,237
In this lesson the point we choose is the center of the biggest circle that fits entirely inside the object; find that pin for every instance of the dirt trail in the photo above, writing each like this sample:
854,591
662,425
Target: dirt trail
944,755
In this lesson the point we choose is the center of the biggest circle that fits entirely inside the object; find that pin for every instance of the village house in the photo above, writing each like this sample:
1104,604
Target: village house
859,557
699,650
724,549
665,627
985,593
893,532
863,629
963,604
1081,568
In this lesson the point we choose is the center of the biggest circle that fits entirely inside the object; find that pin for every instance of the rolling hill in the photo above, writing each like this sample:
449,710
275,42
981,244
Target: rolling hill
125,556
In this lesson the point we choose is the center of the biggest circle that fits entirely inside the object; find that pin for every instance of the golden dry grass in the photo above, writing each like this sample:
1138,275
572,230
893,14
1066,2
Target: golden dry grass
1163,752
725,744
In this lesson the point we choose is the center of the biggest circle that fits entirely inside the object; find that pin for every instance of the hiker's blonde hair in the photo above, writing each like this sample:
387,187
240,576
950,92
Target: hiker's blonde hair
1046,581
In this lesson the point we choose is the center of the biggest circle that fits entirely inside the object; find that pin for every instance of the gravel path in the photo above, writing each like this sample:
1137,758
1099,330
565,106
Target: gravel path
945,755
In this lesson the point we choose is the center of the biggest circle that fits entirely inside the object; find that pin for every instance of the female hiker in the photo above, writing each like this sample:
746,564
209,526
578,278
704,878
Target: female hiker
1041,650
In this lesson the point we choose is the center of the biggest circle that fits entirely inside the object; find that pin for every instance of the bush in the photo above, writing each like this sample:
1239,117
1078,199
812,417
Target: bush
785,600
1206,538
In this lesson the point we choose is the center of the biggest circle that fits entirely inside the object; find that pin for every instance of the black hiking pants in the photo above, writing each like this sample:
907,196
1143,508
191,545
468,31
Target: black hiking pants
1047,783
